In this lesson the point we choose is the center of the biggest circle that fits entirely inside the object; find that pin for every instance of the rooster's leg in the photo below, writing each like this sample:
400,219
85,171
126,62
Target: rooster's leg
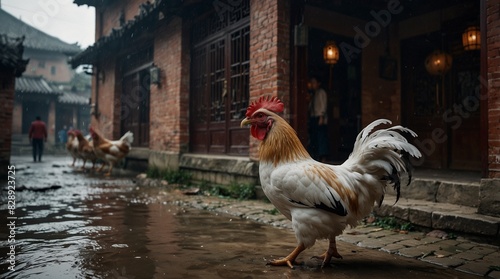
74,160
100,169
110,169
290,259
84,162
93,164
331,252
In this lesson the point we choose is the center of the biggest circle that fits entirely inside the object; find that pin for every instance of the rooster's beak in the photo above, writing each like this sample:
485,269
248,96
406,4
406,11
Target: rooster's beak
245,122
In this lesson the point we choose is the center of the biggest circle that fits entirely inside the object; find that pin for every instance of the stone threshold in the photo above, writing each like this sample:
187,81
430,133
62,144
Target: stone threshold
443,216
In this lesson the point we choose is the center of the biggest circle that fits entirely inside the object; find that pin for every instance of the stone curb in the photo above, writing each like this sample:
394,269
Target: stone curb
442,216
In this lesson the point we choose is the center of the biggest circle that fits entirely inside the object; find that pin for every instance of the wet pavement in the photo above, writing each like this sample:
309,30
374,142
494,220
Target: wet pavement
74,224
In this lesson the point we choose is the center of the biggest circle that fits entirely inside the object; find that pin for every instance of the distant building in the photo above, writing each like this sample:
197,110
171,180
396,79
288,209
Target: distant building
44,90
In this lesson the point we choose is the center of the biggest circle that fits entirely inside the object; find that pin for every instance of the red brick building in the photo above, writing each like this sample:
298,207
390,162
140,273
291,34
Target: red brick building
12,65
180,74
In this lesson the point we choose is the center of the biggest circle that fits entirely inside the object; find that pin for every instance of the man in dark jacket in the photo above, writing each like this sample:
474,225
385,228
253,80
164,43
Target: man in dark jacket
38,134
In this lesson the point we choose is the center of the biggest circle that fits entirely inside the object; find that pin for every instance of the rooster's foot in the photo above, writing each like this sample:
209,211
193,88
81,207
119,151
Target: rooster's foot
283,262
290,259
326,257
331,252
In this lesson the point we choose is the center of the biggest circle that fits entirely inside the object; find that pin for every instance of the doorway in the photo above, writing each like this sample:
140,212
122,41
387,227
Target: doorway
136,95
342,82
443,110
32,109
220,84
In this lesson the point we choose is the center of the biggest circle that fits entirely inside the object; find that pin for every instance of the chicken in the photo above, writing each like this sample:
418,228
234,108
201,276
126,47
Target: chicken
85,149
321,200
109,151
72,146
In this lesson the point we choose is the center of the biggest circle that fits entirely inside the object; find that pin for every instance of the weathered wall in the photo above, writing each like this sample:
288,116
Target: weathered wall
17,118
493,44
169,124
269,53
107,100
170,99
111,14
7,82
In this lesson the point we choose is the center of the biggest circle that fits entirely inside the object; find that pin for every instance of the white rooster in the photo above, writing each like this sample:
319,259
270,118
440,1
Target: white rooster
321,199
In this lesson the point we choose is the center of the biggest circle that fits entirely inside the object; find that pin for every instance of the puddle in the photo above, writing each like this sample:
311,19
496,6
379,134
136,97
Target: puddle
110,228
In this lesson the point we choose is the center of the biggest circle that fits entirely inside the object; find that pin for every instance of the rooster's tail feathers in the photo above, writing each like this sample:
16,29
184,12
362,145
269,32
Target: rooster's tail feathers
382,153
128,137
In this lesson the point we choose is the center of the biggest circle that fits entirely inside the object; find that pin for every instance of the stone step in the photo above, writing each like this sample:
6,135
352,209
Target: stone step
443,216
454,187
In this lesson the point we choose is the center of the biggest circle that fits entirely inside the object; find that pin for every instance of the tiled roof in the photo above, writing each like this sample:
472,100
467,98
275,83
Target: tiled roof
35,39
93,3
73,99
11,55
34,85
148,15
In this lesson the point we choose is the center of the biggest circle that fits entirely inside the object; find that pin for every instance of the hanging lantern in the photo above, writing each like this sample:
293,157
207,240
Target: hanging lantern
331,53
438,62
471,38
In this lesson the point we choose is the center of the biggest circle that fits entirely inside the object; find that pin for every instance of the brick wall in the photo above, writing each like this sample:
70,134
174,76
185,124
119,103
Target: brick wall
493,44
17,118
7,82
106,96
112,13
169,125
269,53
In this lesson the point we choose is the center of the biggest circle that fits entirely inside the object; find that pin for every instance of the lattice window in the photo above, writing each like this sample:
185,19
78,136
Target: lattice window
225,14
240,65
218,83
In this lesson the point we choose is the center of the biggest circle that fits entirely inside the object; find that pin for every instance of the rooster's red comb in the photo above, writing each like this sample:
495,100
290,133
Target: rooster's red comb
270,103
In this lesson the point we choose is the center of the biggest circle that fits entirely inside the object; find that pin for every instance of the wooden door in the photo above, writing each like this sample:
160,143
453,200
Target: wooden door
442,110
220,93
464,127
135,106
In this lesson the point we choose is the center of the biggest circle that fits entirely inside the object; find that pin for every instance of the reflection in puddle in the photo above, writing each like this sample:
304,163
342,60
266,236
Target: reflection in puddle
112,231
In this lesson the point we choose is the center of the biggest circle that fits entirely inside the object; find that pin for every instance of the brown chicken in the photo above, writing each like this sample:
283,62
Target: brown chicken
72,146
85,149
111,151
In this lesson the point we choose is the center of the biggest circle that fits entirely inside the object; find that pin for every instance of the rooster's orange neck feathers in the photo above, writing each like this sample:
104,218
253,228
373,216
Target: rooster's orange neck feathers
281,144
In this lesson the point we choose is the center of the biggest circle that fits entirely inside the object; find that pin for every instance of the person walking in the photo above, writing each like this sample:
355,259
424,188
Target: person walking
37,135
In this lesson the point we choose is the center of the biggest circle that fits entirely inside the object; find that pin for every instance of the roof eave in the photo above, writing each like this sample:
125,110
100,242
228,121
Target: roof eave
115,40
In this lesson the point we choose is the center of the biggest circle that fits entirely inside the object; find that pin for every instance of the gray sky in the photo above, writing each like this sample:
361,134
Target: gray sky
59,18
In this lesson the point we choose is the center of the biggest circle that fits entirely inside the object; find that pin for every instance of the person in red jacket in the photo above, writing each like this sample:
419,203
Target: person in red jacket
38,134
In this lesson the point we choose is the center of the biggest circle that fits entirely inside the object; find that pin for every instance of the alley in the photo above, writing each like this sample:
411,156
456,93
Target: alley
73,224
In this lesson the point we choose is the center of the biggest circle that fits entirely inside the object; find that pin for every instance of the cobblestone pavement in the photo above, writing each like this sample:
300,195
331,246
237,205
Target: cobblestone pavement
459,254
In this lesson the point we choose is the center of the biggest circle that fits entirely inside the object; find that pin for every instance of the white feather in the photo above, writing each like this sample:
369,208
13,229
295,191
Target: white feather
296,191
